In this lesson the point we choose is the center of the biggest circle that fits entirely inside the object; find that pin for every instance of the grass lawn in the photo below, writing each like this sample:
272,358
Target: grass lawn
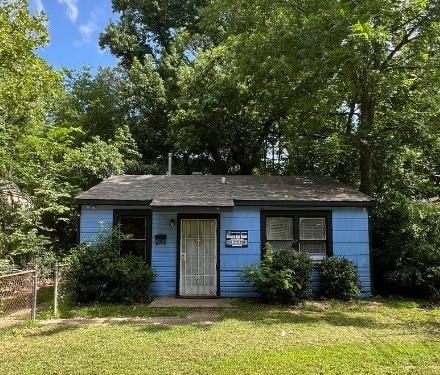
375,337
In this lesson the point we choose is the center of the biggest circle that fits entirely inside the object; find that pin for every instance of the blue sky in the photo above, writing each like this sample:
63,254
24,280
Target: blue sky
74,28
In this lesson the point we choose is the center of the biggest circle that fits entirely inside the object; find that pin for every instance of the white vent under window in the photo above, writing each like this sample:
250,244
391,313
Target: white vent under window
312,228
279,229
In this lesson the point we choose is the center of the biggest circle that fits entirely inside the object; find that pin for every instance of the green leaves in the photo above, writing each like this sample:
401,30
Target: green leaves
283,276
339,279
98,274
148,27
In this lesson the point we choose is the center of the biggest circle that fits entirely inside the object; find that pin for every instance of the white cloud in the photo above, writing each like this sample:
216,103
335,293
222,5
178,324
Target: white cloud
37,5
88,29
72,8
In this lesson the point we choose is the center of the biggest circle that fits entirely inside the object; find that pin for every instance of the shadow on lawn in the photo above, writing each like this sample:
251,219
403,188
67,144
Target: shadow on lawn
48,331
306,317
356,315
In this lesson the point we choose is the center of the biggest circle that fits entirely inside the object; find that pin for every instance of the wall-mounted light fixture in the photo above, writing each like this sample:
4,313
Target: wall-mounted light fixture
172,223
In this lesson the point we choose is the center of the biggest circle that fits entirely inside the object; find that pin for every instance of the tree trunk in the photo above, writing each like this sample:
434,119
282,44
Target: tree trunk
366,158
365,146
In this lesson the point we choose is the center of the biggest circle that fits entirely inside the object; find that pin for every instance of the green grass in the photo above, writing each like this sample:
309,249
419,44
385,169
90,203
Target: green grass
66,310
129,311
319,338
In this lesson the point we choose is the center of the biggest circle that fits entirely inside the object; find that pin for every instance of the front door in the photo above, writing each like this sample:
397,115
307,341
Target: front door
198,257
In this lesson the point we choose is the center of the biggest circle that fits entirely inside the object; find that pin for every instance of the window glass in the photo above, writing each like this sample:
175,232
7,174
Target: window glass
136,228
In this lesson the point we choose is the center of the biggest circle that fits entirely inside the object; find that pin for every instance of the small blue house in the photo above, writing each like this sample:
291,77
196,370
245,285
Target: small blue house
198,231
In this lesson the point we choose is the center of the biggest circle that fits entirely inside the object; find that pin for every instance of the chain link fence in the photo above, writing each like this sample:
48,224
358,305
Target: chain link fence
18,294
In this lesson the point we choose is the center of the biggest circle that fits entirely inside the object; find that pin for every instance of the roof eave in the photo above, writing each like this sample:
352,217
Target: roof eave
192,209
112,202
237,202
305,203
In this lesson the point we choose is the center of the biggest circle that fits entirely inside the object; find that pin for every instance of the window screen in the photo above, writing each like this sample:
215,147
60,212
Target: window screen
279,228
313,235
279,231
312,228
299,230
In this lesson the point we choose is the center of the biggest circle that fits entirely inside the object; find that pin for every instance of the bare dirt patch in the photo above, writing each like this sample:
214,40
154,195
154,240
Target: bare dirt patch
199,317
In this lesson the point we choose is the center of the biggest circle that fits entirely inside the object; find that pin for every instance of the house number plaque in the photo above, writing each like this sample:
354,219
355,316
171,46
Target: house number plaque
237,238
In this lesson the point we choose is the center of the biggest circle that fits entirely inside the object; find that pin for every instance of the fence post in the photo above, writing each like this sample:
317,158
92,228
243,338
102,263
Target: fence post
34,295
55,288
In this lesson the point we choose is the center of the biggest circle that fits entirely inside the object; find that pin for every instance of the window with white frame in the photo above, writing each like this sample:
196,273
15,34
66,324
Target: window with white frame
306,232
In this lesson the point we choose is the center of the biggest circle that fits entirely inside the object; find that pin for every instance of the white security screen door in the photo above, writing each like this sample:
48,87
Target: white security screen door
198,257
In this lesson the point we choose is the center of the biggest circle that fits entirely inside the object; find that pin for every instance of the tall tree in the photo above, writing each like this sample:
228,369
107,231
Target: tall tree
27,88
27,83
357,71
144,38
50,157
216,120
93,103
147,28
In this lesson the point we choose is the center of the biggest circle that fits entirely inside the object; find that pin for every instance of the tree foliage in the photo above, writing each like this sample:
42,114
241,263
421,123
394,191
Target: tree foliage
55,140
147,28
27,88
350,73
407,246
216,118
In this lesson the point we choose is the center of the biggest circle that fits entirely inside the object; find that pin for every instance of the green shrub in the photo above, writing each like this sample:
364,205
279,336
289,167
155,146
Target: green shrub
283,276
6,265
98,274
339,279
407,247
418,270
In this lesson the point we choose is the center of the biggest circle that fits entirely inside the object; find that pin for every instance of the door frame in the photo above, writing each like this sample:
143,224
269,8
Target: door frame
217,267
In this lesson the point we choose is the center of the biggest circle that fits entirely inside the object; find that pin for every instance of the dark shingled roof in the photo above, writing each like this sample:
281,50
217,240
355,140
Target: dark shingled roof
209,191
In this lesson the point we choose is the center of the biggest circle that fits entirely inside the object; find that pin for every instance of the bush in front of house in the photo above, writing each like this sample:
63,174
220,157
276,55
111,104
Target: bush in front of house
407,253
98,274
339,279
283,276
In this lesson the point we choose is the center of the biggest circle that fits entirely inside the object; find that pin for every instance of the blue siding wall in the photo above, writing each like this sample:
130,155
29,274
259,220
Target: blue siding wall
164,257
351,240
94,221
232,260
